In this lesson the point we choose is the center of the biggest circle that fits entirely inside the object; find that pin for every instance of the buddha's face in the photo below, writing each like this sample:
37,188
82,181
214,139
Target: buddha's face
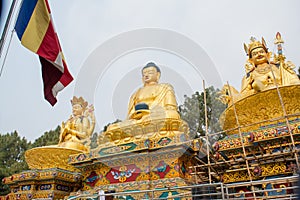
150,75
77,109
259,56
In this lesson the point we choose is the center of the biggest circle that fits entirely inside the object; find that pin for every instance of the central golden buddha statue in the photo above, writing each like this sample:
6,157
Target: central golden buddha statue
154,99
153,104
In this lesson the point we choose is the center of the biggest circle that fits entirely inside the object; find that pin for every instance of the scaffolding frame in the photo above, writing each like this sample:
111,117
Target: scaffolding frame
204,191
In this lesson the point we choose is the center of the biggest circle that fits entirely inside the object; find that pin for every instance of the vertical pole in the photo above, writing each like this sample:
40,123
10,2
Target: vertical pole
206,133
222,191
242,142
227,192
6,26
5,31
286,117
196,179
278,42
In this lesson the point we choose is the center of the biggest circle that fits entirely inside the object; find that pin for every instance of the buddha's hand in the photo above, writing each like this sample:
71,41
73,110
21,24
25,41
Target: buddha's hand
67,128
91,108
64,128
251,79
137,116
89,112
145,118
249,67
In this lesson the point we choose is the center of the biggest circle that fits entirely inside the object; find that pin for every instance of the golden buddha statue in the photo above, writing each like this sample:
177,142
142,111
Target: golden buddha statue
74,139
263,74
76,132
153,103
154,99
259,97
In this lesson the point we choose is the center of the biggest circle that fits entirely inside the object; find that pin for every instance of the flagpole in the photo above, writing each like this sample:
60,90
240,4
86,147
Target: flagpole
8,20
6,27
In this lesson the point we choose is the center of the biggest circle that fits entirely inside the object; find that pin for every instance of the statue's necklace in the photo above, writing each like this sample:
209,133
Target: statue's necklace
263,70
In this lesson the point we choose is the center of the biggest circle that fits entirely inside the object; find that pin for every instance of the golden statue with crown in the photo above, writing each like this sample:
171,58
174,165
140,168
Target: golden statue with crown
50,175
262,73
267,74
262,125
76,132
264,70
74,138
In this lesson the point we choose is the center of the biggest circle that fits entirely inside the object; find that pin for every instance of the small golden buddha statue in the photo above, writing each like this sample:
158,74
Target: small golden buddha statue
153,103
76,131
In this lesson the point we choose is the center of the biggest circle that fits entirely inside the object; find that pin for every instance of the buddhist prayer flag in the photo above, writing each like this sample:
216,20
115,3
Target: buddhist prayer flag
35,30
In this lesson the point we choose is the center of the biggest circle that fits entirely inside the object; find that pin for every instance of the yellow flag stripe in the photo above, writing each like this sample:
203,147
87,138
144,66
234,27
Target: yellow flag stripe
37,27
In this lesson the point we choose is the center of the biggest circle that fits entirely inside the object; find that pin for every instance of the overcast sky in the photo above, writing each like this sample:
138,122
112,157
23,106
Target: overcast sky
193,37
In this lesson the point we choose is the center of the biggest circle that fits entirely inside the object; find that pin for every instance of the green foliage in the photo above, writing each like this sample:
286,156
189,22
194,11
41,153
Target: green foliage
12,159
12,150
193,112
48,138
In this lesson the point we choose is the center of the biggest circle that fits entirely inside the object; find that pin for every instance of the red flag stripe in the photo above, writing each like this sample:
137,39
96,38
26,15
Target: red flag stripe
49,47
66,77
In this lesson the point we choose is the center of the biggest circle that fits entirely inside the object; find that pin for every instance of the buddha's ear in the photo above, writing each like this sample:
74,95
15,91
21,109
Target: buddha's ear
158,75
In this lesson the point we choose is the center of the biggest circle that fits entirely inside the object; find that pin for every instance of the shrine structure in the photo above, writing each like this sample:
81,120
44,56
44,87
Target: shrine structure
152,154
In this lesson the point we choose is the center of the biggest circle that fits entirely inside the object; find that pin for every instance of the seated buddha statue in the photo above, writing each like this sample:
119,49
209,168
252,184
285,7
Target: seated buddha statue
263,74
259,100
153,99
76,131
153,102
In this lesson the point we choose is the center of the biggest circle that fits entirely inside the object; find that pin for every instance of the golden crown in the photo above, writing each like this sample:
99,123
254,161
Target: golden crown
79,101
254,44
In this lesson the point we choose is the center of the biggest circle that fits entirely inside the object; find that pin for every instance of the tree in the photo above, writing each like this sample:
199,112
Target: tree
12,153
12,159
193,112
48,138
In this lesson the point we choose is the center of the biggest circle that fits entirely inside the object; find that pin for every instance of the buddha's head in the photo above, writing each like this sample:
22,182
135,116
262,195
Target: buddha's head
259,56
151,74
78,106
77,109
257,51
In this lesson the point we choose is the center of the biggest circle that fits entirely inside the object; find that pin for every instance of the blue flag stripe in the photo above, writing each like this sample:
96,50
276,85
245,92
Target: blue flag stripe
25,13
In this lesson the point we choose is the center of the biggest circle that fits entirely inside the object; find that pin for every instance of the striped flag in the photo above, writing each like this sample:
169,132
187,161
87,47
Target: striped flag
35,30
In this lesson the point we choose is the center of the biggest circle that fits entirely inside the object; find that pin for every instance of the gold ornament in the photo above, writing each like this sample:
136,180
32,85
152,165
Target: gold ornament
254,44
79,101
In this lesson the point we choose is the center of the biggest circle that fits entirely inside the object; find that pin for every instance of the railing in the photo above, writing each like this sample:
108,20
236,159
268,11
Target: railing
287,189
